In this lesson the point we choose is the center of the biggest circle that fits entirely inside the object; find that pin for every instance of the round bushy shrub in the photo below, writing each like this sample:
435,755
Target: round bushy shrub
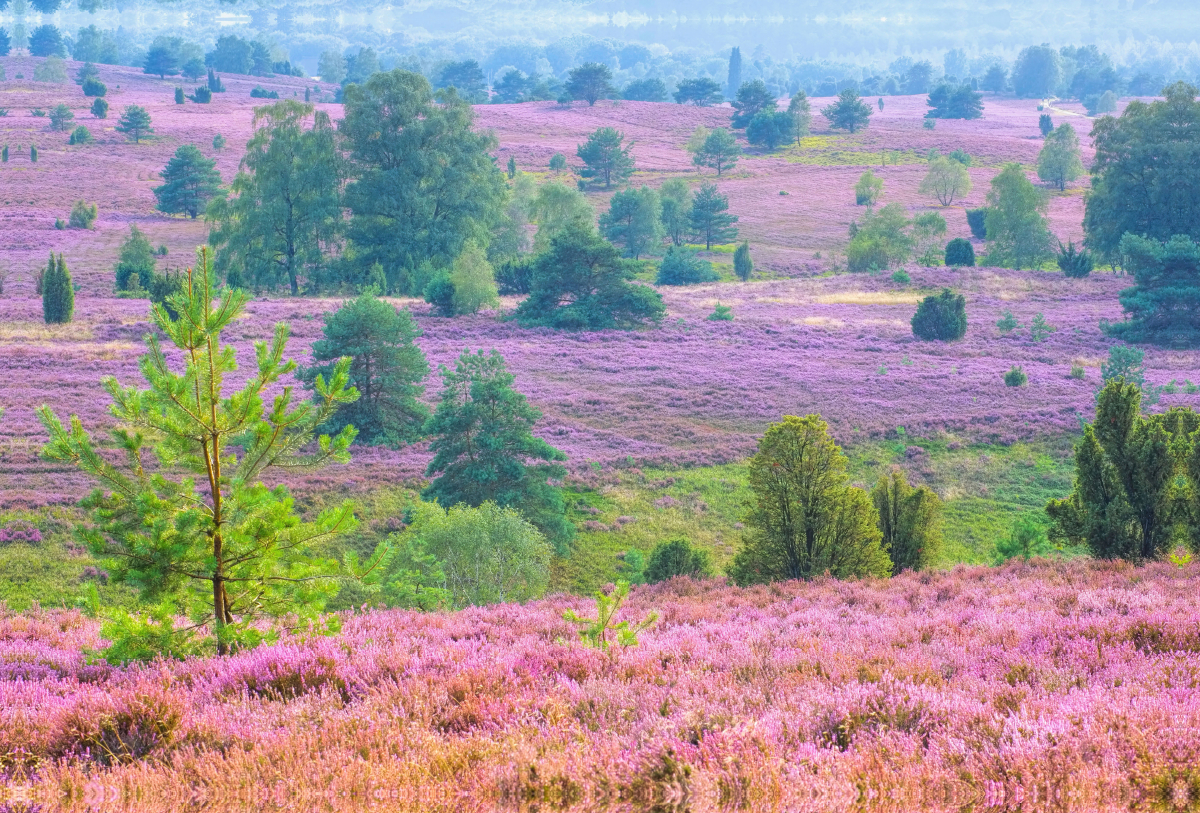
681,266
676,558
1074,263
100,108
202,95
941,317
976,219
1015,377
80,135
960,252
94,87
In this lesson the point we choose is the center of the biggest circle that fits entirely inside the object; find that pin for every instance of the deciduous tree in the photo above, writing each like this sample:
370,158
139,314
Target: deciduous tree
1059,162
1015,221
591,82
910,522
946,180
634,220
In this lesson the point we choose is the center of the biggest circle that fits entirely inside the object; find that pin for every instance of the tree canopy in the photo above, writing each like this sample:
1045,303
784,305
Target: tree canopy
702,92
946,180
1015,221
591,82
718,151
709,219
1059,162
848,112
190,182
606,157
1163,307
950,102
752,99
634,220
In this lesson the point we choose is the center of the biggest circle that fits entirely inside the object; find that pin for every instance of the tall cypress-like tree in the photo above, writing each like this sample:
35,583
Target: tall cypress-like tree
58,292
733,80
286,208
484,448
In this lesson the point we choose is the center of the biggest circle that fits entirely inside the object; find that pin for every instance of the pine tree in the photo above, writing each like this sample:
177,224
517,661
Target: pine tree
605,157
719,151
484,449
198,533
710,219
135,123
191,181
58,292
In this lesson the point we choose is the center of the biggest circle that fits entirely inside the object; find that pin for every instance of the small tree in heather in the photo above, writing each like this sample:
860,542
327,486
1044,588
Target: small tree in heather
805,518
1074,263
386,368
58,292
801,112
484,448
227,551
941,317
1016,225
910,521
1045,124
770,129
82,215
634,220
719,151
676,558
581,283
710,219
591,82
1059,162
960,252
743,266
100,108
61,118
681,266
676,199
136,257
946,180
1163,307
605,157
848,112
868,189
191,182
134,122
752,99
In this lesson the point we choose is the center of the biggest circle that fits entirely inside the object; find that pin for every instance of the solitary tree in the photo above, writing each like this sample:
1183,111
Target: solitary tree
285,209
676,199
710,219
1163,307
743,267
605,156
910,521
474,281
702,92
719,151
136,257
591,81
805,518
634,220
466,77
801,112
1059,162
484,448
162,61
386,368
135,123
191,181
58,292
752,99
61,118
941,317
946,180
868,189
581,283
676,558
1016,225
198,533
848,112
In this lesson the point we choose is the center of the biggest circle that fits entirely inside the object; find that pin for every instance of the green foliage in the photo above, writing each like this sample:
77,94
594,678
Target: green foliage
901,277
681,266
94,87
910,521
135,123
386,368
483,447
676,198
259,92
677,558
136,257
1163,307
487,554
752,98
650,89
191,181
466,77
52,69
881,240
80,135
868,189
1016,225
558,162
801,112
591,82
1135,480
58,292
512,167
743,266
1039,328
928,232
1008,323
285,210
179,99
950,102
1124,363
633,566
634,220
1059,162
1074,264
218,142
977,222
709,218
946,181
202,95
230,552
473,280
1015,377
556,208
581,283
771,129
961,157
82,215
721,313
1027,539
440,293
100,108
214,84
960,252
424,183
848,112
805,518
719,151
1037,72
702,92
1045,124
605,157
941,317
61,118
604,631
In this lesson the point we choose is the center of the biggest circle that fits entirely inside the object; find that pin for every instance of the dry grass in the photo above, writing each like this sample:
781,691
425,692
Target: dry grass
870,298
37,332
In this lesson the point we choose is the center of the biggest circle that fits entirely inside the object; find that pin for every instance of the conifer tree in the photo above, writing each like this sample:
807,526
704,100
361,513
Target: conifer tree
134,122
910,521
198,534
191,182
58,292
710,219
743,266
605,157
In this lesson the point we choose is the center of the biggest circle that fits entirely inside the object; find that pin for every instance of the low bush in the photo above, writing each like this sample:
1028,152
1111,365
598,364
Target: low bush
681,266
976,219
1074,263
676,558
721,313
82,215
1015,377
960,252
94,87
202,95
941,317
261,93
80,135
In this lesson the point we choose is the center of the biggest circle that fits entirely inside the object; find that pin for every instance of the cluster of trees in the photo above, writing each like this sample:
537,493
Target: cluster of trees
639,220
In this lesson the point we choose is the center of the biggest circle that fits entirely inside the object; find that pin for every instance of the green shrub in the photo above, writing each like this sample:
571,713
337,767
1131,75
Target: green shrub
1125,362
1077,371
94,87
1015,377
721,313
179,96
681,266
82,215
1039,328
202,95
977,221
961,157
941,317
218,142
58,292
558,162
100,108
1008,323
440,293
960,252
743,266
80,135
260,93
676,558
1074,263
901,276
868,189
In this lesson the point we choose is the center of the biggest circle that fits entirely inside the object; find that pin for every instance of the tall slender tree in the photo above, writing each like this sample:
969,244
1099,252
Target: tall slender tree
710,219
